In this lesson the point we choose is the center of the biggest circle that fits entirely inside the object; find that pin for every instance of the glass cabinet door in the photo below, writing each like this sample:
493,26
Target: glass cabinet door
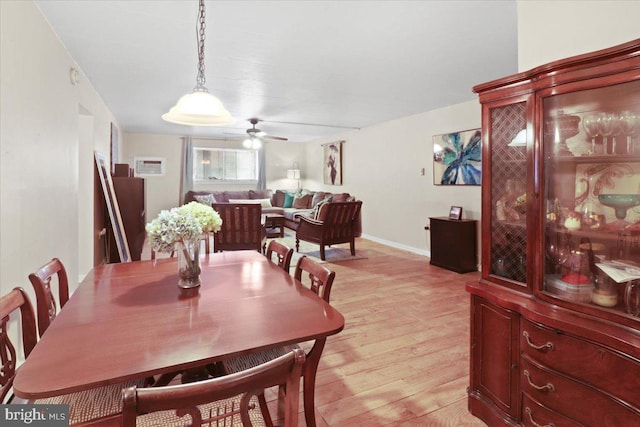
591,191
508,172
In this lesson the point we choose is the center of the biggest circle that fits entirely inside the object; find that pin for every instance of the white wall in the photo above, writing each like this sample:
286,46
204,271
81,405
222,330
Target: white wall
46,176
382,165
551,30
164,192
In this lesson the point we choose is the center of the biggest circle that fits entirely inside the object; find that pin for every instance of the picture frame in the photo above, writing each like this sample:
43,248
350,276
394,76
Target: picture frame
457,158
332,163
455,213
113,208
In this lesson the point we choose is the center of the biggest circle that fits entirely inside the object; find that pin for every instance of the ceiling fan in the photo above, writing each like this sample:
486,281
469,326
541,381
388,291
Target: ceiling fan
253,132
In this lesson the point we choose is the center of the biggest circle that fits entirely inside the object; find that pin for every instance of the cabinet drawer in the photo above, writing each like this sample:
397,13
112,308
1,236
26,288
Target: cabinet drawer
609,371
573,399
534,414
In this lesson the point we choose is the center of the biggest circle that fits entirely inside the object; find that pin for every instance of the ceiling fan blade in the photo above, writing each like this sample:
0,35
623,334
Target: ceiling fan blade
277,138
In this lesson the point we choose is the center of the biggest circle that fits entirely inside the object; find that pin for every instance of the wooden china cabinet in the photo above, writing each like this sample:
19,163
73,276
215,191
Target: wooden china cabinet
555,340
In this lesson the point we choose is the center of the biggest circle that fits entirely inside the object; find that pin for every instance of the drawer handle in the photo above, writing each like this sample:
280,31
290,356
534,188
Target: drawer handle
547,386
542,347
528,411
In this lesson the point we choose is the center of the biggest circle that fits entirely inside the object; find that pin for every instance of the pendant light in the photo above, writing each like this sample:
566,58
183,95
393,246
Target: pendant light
199,108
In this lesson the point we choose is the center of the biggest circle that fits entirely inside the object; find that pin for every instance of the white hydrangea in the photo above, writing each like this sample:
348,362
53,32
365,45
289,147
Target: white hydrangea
188,222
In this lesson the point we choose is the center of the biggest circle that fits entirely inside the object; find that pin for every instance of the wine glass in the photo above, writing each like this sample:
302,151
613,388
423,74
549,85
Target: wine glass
558,249
629,125
607,123
590,125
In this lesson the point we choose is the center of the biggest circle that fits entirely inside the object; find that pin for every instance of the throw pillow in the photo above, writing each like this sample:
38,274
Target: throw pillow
322,212
302,202
318,196
316,209
265,203
205,199
278,198
288,200
340,197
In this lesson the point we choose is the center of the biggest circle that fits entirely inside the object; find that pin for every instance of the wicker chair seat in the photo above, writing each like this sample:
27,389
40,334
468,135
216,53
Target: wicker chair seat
92,404
221,410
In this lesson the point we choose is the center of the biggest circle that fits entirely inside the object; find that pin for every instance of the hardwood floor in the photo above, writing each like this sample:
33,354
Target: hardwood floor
403,356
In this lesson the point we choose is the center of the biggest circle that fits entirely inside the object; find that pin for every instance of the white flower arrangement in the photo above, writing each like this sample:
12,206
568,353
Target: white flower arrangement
183,224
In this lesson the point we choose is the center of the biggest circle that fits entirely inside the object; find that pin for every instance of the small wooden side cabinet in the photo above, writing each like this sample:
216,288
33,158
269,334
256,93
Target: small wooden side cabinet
453,244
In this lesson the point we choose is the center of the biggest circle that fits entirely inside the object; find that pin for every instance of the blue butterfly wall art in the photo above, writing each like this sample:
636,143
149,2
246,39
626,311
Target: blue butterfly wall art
457,158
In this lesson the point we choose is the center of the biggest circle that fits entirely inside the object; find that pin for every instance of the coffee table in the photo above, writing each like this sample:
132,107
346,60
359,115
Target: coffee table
274,225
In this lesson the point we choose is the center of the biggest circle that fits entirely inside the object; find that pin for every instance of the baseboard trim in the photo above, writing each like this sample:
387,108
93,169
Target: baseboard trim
397,245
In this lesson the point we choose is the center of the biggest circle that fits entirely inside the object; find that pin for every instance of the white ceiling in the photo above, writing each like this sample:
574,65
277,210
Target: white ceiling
346,64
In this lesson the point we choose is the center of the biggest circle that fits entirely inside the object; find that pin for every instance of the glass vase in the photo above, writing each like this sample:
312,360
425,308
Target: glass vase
188,263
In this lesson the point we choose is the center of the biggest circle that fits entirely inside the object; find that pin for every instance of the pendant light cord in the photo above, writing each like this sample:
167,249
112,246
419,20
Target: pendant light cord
200,79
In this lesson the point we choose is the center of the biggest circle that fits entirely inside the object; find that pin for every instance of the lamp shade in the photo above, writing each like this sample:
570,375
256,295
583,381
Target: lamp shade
198,108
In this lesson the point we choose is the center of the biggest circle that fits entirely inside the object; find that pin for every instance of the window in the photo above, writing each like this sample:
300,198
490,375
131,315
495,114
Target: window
224,164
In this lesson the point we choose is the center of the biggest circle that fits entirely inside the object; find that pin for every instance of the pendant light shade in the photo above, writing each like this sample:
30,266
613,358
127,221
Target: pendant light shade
199,108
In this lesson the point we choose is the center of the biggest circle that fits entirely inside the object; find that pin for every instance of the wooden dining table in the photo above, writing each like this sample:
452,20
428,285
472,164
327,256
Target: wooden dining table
131,320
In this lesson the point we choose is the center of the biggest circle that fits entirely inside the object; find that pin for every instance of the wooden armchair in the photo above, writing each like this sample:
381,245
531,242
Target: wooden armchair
241,229
337,224
228,400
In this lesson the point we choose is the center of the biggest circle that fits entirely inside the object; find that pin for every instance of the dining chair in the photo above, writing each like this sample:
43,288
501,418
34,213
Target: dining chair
242,227
47,307
319,277
282,252
320,280
14,301
227,400
84,406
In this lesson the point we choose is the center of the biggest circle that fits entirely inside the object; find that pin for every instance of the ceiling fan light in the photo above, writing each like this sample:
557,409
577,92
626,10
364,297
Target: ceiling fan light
199,108
256,143
247,143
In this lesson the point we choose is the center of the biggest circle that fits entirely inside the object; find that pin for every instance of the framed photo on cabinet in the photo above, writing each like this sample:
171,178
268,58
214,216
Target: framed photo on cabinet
455,213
